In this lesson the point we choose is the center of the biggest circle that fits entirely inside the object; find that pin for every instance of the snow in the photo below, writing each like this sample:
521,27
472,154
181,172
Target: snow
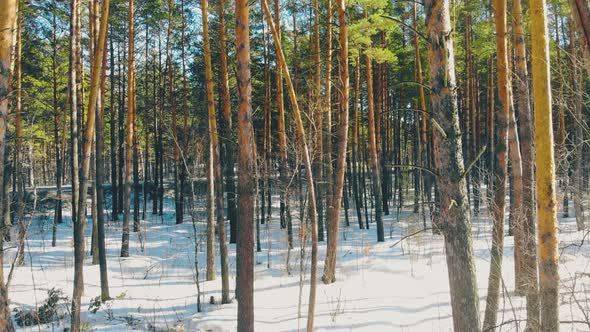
378,287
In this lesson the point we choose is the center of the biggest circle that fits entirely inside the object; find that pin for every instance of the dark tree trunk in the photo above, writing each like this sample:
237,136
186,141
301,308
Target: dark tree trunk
453,209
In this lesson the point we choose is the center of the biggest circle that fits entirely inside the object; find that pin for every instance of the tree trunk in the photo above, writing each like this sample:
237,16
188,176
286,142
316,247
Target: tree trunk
424,142
516,200
121,133
355,144
500,167
342,137
308,168
282,141
526,261
448,160
214,157
113,133
58,217
226,129
545,177
328,189
172,98
73,86
84,172
99,159
246,173
581,14
578,178
130,132
318,114
18,160
7,21
374,161
210,215
93,17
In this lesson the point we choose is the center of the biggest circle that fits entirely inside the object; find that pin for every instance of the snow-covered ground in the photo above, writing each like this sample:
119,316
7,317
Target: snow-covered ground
378,288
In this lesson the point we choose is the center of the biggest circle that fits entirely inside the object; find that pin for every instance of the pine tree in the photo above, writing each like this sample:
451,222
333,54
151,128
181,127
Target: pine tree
246,172
545,165
453,219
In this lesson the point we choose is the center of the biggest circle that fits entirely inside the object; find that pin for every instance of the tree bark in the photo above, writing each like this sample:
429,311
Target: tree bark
578,178
355,144
130,132
7,22
342,136
453,219
84,172
581,14
526,257
328,189
285,209
18,161
500,167
113,133
545,163
99,159
214,157
318,113
226,128
210,215
246,173
308,168
73,86
178,204
57,218
374,161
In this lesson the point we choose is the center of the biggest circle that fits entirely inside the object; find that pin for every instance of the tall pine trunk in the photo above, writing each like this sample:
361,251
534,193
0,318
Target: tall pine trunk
214,157
333,219
96,71
130,133
545,176
7,21
373,160
500,167
246,172
226,129
99,181
285,209
308,167
578,178
453,219
328,189
525,257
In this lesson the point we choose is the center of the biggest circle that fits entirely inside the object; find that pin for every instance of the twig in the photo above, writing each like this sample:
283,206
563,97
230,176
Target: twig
509,300
426,169
572,322
513,321
410,235
474,161
439,128
405,25
416,83
574,244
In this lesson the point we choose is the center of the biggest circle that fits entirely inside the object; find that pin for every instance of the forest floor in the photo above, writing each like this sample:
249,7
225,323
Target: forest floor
378,287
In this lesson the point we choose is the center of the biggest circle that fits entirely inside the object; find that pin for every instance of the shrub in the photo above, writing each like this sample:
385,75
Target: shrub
55,307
